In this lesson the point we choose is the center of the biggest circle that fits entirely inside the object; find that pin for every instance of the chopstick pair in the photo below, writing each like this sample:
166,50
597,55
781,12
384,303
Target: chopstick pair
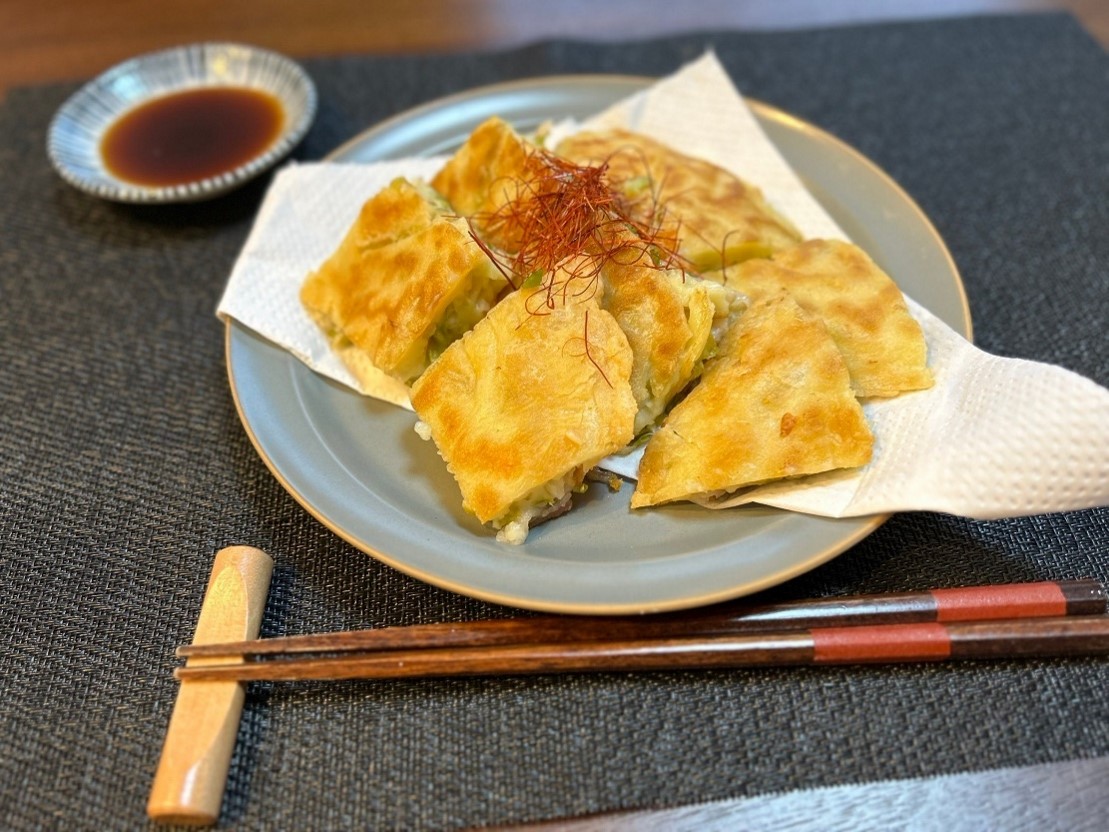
1063,618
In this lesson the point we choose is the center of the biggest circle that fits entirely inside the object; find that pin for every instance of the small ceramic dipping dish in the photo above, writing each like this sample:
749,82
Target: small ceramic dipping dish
182,125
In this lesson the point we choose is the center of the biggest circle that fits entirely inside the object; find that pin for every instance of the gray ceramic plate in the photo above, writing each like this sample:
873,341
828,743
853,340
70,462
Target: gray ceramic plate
73,142
358,466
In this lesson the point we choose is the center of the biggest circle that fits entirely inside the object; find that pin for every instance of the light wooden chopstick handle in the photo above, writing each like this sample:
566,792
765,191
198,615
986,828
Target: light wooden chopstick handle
192,772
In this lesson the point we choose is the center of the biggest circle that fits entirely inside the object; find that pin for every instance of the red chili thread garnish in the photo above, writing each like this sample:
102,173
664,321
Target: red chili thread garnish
563,223
568,219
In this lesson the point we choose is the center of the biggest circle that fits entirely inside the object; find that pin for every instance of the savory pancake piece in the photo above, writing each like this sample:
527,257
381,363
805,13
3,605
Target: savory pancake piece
404,283
397,211
494,167
862,307
712,217
775,402
672,321
523,405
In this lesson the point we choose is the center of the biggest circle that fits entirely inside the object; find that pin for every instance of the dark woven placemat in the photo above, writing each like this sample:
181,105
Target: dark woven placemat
123,469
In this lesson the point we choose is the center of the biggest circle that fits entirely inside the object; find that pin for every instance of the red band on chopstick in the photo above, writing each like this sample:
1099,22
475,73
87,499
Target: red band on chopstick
996,602
880,643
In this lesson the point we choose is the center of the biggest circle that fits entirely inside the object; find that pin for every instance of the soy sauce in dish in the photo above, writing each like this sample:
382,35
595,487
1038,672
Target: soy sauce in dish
191,135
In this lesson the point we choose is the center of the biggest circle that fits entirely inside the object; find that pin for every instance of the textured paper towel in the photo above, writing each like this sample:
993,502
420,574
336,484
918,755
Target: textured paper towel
994,438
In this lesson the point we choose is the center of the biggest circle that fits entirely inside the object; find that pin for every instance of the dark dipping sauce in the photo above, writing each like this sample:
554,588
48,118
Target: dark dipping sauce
192,135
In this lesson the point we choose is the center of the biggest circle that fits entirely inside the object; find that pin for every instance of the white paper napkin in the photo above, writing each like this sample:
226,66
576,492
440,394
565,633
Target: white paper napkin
994,437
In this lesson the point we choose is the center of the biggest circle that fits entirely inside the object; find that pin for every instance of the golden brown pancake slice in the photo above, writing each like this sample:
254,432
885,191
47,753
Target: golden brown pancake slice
671,320
862,307
717,218
775,402
493,167
405,282
523,405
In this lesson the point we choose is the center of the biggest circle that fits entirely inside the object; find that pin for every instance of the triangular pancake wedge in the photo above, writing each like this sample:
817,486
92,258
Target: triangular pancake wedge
524,404
494,167
775,402
861,305
672,321
405,282
716,217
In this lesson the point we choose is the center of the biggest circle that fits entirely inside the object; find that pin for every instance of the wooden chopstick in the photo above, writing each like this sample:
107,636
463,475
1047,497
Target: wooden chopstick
999,601
866,644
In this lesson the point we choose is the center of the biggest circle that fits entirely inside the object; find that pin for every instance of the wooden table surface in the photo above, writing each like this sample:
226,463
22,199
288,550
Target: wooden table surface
64,40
